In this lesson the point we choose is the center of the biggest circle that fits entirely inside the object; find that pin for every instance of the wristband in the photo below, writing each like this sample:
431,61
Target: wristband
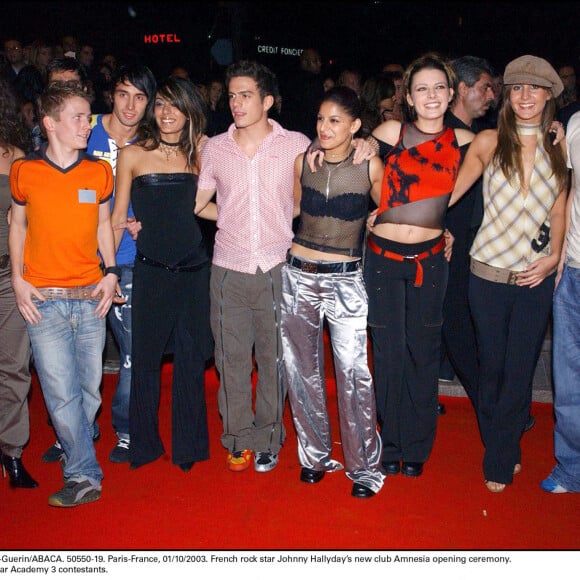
113,270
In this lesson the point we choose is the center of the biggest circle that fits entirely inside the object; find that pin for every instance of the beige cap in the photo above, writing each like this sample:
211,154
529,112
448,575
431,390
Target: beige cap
533,70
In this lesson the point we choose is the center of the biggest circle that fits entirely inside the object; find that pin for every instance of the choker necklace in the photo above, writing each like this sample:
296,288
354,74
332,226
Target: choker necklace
342,157
328,156
169,149
528,129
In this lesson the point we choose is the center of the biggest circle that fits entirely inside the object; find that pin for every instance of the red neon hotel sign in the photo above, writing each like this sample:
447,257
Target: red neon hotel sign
161,38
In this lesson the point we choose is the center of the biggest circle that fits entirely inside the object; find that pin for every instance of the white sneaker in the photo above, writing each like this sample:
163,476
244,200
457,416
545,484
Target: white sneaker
265,461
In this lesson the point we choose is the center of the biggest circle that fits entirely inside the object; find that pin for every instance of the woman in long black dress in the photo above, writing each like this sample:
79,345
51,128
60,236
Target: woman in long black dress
158,175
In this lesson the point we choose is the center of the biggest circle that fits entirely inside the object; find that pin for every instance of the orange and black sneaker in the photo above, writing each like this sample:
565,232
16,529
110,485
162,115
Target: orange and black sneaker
239,460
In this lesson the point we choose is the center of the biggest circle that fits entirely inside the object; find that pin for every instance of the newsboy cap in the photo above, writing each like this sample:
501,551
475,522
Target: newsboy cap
533,70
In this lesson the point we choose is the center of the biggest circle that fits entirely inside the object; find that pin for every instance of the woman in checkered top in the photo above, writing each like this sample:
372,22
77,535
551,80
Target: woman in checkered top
514,255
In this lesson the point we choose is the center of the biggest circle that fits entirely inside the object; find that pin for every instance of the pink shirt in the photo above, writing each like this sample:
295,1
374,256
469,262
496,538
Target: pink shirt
254,198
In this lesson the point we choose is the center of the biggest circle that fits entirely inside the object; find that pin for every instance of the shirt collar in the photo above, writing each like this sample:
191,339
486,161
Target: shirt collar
277,130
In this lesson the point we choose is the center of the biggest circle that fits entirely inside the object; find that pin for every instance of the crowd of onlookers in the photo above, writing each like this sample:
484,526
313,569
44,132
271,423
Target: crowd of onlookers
26,68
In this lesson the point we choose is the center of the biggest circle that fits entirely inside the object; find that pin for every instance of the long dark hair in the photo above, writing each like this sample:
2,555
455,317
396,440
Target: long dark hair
13,132
185,96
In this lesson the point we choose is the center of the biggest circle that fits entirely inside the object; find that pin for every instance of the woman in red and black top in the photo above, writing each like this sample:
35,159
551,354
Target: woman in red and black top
406,270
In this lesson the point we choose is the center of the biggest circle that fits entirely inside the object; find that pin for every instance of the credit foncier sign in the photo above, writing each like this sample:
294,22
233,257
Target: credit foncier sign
282,50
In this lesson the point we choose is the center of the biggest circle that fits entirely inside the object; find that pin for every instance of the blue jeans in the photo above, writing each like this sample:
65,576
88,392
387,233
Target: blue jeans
67,345
566,366
120,323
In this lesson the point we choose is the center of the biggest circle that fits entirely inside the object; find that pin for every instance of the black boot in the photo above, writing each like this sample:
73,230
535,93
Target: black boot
17,473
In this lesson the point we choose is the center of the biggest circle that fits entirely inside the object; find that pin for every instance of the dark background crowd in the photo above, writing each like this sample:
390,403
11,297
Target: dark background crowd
363,34
355,42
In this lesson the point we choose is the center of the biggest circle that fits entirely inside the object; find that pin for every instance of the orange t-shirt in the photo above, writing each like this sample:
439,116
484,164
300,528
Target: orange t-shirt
62,210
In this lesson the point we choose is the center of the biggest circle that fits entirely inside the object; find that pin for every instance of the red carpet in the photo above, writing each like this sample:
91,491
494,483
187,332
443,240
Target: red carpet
209,508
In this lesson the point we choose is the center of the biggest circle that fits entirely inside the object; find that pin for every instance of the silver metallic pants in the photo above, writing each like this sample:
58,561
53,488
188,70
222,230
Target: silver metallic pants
308,299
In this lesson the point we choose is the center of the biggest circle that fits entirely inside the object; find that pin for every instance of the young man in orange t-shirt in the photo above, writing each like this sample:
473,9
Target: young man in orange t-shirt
60,224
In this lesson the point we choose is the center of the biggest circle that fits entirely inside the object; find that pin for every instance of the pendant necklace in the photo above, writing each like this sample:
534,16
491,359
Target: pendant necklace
330,171
169,149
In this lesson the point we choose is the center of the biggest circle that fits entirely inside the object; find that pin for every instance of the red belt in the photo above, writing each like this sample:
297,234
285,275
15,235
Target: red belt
414,258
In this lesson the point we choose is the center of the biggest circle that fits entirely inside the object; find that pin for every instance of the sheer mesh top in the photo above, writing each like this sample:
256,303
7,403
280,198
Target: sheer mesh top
334,207
420,173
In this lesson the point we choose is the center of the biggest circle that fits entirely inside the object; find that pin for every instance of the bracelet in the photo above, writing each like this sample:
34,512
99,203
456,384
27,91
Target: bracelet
113,270
372,141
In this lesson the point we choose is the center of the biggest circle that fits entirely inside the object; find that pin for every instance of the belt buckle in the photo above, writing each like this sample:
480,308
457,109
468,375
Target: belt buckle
410,258
309,267
512,278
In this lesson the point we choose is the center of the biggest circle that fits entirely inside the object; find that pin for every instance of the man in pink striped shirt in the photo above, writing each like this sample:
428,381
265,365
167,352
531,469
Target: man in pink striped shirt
250,167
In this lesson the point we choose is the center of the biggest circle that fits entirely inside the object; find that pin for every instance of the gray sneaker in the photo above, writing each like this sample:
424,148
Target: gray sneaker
75,493
264,461
56,452
53,454
120,453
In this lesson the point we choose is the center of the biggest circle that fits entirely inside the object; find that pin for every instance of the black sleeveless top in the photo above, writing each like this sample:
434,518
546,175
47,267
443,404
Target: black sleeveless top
164,203
334,207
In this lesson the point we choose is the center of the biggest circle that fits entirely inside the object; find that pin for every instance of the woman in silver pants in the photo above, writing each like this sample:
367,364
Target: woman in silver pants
322,280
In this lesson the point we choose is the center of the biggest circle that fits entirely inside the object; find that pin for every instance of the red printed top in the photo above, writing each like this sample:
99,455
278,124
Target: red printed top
423,171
